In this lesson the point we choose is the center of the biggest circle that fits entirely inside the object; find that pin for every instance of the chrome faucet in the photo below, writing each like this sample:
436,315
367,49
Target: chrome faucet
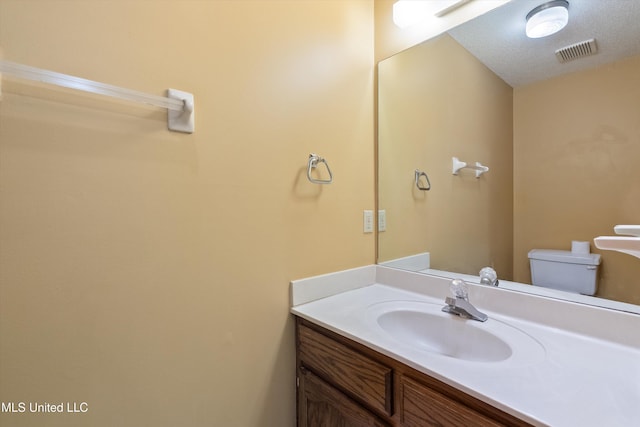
459,304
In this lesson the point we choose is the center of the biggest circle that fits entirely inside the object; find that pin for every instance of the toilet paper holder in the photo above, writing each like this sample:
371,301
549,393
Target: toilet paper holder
478,167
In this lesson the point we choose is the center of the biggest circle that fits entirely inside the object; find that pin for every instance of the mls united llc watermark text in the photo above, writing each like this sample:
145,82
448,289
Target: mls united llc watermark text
44,407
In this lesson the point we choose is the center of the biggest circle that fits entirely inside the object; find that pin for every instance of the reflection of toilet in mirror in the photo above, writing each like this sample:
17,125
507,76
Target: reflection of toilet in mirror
565,270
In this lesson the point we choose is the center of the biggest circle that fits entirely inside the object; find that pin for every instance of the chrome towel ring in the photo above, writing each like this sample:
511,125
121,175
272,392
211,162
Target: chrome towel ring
314,160
418,175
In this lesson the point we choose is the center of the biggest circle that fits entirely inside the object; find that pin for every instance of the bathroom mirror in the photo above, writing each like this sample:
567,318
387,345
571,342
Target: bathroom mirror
560,139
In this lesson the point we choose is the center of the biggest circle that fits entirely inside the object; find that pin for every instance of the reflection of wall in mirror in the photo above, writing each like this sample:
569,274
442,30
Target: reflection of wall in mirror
575,141
430,111
576,173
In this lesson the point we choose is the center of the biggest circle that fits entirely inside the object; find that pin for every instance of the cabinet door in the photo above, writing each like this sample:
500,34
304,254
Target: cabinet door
424,407
320,405
347,369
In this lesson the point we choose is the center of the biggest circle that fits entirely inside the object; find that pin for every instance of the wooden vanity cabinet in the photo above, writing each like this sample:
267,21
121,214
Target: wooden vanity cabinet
342,383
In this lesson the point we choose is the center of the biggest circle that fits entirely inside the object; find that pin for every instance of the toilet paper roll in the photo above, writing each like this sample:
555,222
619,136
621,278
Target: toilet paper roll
578,247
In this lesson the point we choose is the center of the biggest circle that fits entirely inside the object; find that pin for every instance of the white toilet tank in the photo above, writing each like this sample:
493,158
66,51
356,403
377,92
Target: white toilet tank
565,270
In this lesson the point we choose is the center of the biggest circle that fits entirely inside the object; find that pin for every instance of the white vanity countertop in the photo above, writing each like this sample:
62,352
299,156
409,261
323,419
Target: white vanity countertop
587,375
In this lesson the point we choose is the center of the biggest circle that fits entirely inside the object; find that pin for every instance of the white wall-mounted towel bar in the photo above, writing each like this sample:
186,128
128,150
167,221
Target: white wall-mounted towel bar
179,104
479,168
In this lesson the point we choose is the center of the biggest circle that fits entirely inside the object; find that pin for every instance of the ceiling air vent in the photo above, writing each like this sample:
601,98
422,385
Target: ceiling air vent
577,50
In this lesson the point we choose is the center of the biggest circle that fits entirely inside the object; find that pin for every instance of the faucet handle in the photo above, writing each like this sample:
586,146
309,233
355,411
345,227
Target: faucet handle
488,276
459,289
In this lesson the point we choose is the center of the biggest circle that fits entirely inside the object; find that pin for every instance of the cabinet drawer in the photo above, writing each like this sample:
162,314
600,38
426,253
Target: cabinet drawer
426,407
363,378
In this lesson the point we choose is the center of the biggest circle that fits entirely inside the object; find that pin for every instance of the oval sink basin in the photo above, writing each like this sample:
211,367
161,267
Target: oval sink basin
424,327
453,337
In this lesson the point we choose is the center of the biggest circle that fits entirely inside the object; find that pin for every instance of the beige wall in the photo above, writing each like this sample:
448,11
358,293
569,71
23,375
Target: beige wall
437,101
147,272
576,174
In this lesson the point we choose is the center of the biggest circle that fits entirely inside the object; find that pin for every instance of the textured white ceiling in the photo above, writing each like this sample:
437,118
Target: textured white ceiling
498,39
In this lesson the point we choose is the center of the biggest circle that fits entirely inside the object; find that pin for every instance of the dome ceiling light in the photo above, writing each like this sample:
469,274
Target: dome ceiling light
547,19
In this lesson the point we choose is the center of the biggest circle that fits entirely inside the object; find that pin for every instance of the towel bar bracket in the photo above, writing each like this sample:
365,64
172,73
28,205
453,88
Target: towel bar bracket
181,121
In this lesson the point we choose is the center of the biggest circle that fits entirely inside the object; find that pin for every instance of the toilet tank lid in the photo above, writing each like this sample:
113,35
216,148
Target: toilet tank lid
564,256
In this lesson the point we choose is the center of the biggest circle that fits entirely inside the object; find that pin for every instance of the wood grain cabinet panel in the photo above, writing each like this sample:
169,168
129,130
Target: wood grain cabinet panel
358,375
424,407
324,406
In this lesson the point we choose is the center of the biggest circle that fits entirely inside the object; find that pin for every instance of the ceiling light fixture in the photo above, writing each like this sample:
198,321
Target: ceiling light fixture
410,12
407,13
547,19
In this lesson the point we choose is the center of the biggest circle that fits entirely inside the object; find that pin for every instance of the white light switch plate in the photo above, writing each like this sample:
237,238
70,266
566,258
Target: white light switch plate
368,221
382,220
